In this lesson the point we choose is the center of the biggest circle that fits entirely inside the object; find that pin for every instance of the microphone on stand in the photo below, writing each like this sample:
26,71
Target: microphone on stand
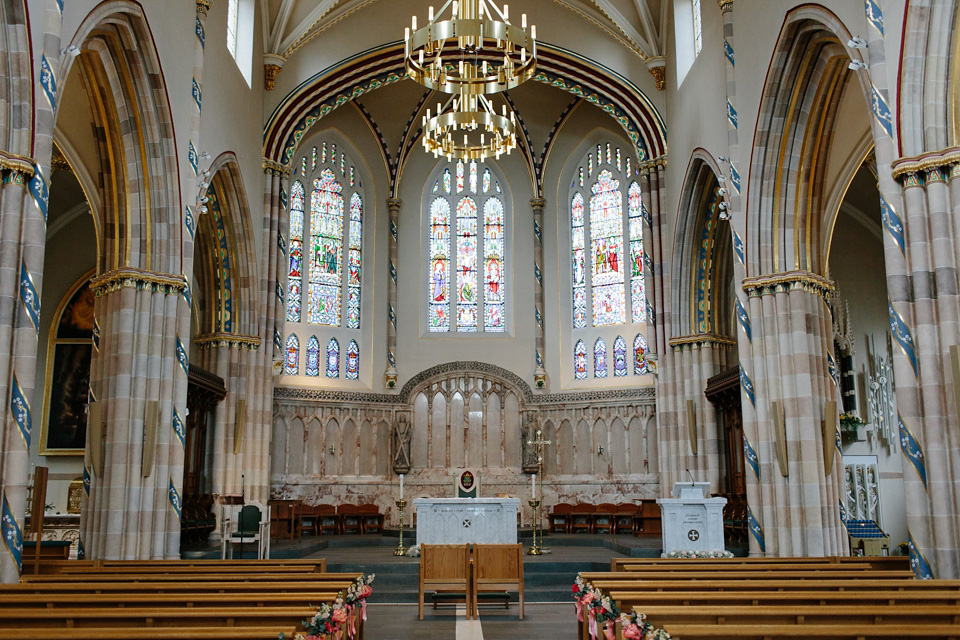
692,481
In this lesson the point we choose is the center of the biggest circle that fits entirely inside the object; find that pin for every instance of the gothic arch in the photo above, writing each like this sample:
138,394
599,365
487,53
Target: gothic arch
806,80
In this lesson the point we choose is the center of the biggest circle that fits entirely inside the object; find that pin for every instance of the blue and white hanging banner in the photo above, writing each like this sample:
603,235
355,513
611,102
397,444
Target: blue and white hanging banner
651,314
189,222
20,408
728,51
832,368
86,480
182,357
645,214
393,272
537,274
283,197
892,222
874,15
187,293
279,291
882,110
837,442
731,114
201,35
738,247
91,398
744,320
178,427
29,297
277,341
60,6
39,191
648,263
193,158
536,313
919,564
391,358
393,231
747,385
756,529
392,315
537,232
175,499
750,455
843,513
904,338
197,95
12,535
539,359
912,451
48,82
281,243
735,177
96,334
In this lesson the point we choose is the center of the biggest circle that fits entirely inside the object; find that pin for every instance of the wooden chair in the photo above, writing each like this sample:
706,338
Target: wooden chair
371,520
349,518
623,519
307,520
497,567
245,525
560,518
582,517
328,521
603,520
445,567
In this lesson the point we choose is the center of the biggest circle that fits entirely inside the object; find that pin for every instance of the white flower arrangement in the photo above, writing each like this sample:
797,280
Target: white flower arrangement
690,553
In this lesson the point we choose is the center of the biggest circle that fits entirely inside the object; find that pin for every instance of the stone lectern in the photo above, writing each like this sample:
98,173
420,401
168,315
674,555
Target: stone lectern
692,521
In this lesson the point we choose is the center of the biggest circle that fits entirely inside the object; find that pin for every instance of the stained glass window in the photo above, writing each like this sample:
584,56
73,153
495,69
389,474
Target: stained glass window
639,355
291,363
326,248
619,160
580,361
233,25
697,28
333,358
599,359
353,262
313,164
353,360
606,250
638,297
619,357
467,252
609,154
579,262
313,357
295,274
303,166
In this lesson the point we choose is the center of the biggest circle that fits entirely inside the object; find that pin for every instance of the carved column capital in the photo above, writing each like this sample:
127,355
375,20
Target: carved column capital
203,6
725,5
657,66
538,203
272,64
272,167
394,204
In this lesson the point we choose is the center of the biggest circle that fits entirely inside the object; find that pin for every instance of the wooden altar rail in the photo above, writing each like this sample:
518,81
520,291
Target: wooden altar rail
876,562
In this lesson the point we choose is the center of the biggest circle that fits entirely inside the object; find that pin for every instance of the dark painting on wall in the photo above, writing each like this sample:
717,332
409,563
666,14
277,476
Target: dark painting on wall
67,426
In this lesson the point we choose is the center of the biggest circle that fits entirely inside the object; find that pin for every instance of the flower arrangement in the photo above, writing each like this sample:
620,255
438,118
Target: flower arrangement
689,553
849,422
636,627
413,552
331,618
600,609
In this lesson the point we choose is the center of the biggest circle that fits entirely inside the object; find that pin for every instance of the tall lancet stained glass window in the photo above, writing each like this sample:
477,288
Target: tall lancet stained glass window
326,240
466,279
291,362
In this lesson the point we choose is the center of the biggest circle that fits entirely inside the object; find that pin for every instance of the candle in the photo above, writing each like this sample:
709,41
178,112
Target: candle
401,486
533,487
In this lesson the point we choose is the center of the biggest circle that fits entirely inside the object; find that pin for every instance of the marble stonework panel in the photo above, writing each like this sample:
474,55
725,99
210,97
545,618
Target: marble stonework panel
463,520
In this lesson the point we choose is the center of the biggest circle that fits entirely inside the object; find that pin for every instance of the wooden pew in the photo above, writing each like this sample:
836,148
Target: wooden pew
626,600
497,568
198,574
184,599
317,565
770,584
445,567
816,614
154,633
876,562
225,586
148,616
799,632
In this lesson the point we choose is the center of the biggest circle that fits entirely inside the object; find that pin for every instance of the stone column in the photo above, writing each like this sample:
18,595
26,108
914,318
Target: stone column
23,213
134,458
540,375
794,482
390,376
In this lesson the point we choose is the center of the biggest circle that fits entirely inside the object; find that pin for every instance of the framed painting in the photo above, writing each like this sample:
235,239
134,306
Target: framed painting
69,351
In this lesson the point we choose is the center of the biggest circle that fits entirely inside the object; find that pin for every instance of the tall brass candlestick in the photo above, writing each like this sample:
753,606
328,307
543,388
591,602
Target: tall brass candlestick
400,550
537,503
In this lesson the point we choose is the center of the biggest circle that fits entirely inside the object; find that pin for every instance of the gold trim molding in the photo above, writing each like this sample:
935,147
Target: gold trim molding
203,6
230,340
270,72
13,162
137,279
725,5
701,341
659,77
787,281
926,162
282,170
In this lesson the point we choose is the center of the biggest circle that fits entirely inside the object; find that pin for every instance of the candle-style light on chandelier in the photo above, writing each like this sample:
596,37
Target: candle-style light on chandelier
467,127
469,49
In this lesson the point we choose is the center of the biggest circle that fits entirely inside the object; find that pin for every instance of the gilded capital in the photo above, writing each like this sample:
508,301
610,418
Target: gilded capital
282,170
394,204
203,6
538,203
270,72
725,5
657,66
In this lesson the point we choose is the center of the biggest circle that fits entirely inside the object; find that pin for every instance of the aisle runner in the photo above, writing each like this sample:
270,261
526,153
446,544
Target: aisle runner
467,629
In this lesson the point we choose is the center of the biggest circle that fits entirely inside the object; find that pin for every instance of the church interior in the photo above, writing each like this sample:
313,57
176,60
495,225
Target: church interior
246,259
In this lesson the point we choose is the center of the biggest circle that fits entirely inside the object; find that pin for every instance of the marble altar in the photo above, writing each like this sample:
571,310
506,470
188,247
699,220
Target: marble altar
462,520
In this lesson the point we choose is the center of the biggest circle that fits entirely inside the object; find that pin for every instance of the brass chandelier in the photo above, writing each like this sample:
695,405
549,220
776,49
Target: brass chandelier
470,49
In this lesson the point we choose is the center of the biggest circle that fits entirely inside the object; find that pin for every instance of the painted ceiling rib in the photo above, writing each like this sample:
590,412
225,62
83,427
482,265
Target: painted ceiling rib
283,16
646,18
663,23
307,24
622,23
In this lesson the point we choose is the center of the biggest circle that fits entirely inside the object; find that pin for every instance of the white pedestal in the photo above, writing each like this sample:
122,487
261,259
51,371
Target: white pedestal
691,521
462,520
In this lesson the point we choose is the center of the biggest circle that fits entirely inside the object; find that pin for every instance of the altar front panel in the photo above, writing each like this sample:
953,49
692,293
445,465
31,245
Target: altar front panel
463,520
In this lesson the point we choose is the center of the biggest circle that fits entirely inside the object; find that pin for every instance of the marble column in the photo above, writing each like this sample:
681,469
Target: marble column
390,376
794,482
26,142
540,374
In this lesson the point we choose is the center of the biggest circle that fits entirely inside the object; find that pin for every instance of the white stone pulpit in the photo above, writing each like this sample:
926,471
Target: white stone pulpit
462,520
690,520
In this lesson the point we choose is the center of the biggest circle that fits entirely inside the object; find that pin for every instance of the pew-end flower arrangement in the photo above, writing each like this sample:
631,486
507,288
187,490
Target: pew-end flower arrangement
333,617
636,627
601,611
689,553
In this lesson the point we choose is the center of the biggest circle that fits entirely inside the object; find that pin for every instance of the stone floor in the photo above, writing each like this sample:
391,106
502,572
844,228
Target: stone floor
540,621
